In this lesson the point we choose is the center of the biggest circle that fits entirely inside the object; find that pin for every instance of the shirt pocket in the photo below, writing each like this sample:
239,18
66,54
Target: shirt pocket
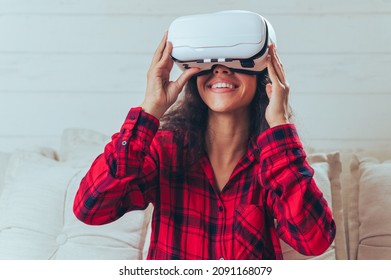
249,232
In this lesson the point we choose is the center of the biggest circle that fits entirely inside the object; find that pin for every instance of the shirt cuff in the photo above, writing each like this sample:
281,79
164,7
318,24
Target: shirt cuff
142,122
278,139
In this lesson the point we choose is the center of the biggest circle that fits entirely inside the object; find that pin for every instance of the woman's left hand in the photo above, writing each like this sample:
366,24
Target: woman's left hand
277,112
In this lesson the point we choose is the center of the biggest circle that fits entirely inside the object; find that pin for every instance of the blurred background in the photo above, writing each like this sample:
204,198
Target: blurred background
83,64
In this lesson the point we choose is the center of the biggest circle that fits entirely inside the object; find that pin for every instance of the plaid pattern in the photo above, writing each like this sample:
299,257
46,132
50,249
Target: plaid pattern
270,195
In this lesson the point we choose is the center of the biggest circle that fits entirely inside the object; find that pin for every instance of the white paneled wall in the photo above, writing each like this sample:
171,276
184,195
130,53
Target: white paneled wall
83,63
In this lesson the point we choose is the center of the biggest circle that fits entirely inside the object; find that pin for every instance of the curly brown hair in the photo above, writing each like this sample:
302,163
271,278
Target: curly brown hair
188,117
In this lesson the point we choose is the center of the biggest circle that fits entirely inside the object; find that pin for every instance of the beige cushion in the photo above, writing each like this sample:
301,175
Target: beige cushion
370,208
327,169
350,192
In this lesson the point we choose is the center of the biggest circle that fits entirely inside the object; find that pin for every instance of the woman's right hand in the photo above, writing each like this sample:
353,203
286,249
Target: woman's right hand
161,93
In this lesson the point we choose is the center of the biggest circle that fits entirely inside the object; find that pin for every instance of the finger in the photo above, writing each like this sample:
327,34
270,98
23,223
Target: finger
272,72
166,59
274,77
269,89
159,51
274,50
184,77
278,66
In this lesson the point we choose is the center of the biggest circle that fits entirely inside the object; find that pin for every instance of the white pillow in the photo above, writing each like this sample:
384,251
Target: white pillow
31,206
81,146
122,239
37,222
4,159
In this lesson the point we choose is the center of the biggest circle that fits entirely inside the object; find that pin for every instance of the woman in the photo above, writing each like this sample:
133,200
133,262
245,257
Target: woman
226,173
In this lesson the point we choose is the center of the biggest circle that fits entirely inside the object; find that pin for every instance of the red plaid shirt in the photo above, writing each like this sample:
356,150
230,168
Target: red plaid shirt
270,195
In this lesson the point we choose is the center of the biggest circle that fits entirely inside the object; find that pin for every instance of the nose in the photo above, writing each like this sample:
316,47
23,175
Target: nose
221,69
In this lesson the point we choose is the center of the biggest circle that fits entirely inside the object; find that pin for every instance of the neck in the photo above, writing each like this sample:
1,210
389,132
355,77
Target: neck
227,136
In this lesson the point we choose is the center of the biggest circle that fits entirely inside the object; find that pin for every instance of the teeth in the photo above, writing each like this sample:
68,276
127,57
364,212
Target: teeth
222,85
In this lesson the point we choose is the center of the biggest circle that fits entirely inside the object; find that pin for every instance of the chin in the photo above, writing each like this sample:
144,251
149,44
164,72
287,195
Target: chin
222,109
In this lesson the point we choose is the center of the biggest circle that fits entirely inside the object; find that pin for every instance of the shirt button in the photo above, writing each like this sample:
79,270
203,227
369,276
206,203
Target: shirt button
221,208
132,118
221,259
124,143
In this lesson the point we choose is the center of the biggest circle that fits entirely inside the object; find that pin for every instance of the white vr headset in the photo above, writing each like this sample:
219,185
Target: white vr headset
238,40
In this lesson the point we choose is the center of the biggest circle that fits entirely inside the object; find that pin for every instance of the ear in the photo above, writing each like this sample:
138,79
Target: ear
268,89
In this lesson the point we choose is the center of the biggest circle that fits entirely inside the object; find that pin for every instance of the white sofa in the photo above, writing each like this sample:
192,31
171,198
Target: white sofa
37,190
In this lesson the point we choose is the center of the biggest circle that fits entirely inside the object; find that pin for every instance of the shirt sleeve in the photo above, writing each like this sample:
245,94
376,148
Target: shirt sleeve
124,177
304,219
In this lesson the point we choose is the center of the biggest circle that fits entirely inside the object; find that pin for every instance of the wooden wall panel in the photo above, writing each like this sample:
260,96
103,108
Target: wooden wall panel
83,64
179,7
308,33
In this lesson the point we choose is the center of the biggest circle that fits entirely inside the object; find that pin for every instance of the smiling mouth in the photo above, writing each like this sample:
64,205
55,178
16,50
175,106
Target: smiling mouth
222,85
